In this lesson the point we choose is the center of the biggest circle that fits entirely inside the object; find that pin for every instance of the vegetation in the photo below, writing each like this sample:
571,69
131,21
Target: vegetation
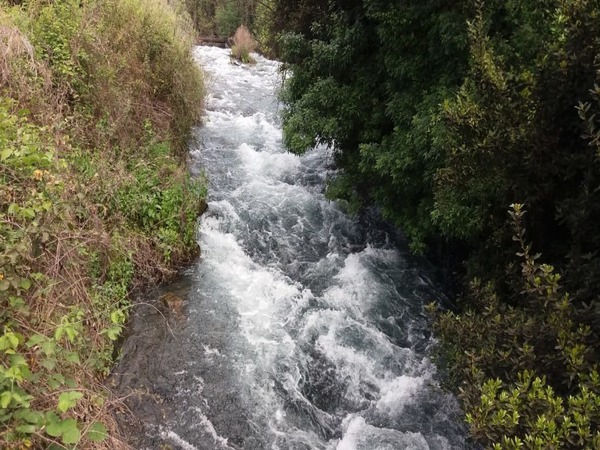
243,45
527,374
443,114
96,102
221,17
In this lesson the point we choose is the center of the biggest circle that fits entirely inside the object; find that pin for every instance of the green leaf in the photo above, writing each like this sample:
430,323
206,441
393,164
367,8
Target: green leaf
97,432
25,283
67,400
18,303
56,380
58,333
73,357
5,399
54,429
36,339
48,347
65,429
9,341
26,429
17,360
49,363
71,435
5,154
30,416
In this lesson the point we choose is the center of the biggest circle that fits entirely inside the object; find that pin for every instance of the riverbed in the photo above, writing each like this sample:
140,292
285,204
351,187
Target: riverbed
302,327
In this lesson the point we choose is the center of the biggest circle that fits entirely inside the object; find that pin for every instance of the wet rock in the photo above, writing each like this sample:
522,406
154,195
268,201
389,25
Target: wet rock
173,303
144,378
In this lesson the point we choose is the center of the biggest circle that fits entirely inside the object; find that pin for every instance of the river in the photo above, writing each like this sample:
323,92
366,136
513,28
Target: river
303,328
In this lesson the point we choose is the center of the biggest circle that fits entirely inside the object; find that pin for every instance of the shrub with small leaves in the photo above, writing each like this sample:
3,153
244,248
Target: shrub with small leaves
527,373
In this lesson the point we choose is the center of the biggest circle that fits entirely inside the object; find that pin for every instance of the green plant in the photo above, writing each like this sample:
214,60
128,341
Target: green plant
227,18
526,373
97,98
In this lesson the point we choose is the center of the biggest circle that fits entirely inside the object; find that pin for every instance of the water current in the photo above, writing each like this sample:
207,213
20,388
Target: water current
304,328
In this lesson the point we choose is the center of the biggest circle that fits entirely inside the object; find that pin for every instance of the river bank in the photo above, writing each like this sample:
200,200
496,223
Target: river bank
96,200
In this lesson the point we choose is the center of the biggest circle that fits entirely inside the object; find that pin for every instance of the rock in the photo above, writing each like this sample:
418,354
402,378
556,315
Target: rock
173,302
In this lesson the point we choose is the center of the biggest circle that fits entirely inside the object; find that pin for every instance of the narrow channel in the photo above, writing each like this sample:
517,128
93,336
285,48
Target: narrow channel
303,328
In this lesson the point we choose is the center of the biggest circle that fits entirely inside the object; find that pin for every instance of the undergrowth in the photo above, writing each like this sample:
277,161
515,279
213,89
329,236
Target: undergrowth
527,374
96,102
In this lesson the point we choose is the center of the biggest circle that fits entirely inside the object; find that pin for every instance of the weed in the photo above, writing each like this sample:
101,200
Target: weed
243,45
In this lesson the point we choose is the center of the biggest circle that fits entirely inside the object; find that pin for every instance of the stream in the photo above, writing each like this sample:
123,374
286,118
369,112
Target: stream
302,328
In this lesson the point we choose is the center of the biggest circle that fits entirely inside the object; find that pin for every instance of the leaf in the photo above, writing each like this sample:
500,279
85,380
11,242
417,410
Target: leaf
5,399
5,154
97,432
73,357
25,283
58,333
71,435
67,400
48,347
65,429
30,416
35,340
26,429
17,360
56,380
49,363
54,429
18,303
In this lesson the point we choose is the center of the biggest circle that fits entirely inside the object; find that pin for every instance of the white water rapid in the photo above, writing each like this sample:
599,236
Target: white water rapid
305,328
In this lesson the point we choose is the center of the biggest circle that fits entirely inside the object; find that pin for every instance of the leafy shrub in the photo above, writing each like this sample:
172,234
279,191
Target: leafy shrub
40,362
527,374
227,18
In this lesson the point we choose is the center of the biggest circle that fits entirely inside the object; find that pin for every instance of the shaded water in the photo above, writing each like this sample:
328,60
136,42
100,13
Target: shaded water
304,328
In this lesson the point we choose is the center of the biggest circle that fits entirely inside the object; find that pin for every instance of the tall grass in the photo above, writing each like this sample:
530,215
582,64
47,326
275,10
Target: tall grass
243,45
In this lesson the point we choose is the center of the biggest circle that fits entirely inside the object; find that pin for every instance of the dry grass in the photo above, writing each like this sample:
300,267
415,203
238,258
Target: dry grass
14,45
243,45
25,78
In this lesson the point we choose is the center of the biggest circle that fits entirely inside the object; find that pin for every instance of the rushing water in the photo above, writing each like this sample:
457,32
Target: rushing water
304,327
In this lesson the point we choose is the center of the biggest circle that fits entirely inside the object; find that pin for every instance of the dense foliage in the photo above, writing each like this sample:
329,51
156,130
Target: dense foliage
369,80
442,114
96,102
221,17
527,374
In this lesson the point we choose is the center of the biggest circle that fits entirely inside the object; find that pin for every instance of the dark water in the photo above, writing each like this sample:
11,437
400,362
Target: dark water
302,328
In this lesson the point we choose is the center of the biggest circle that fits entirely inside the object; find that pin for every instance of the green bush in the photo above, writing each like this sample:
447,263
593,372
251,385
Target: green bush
227,18
527,373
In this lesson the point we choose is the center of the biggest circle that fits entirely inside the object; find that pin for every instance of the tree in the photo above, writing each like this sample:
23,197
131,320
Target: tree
367,80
